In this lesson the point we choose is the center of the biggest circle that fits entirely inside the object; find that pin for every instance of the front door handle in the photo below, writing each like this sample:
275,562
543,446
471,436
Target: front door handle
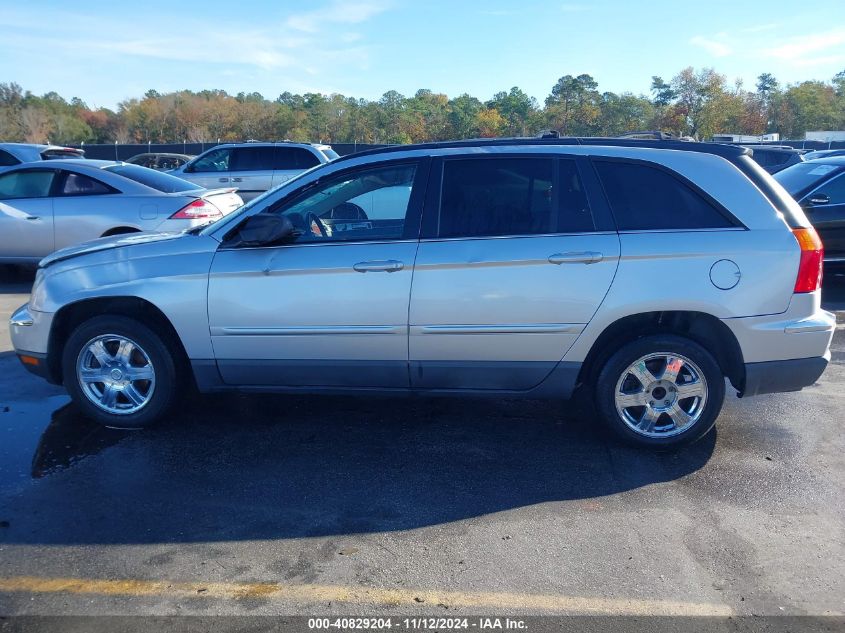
32,217
584,257
238,179
386,266
223,180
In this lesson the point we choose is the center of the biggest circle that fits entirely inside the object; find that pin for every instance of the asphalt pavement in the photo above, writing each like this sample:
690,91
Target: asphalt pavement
326,505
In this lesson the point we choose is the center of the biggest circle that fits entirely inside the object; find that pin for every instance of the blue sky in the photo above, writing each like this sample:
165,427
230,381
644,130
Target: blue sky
104,52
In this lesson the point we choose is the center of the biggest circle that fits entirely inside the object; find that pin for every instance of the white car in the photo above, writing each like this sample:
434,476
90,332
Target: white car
49,205
253,167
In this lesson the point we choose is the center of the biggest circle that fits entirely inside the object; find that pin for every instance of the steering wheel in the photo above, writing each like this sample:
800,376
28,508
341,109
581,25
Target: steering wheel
315,225
348,211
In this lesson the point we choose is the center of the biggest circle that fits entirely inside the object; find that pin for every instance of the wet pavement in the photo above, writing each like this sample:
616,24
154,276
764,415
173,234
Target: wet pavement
354,494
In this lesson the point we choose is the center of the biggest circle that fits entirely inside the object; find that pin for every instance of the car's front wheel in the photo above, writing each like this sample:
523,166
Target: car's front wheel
660,391
119,372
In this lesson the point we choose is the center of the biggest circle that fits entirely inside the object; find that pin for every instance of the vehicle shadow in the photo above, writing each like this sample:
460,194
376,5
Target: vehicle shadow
267,467
16,279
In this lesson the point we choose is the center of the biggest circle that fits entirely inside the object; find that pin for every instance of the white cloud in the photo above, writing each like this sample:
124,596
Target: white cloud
798,50
715,47
338,12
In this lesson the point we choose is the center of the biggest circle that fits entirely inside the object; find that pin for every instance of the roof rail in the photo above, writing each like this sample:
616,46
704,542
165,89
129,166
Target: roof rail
725,150
656,135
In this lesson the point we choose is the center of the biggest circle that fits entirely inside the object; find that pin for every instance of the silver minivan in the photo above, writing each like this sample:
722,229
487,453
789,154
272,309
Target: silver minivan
253,168
649,273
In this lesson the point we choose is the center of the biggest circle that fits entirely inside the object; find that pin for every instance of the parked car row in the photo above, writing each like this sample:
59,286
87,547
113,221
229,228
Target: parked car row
645,271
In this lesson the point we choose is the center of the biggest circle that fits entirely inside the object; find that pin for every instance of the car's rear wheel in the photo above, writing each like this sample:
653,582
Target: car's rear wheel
119,372
660,391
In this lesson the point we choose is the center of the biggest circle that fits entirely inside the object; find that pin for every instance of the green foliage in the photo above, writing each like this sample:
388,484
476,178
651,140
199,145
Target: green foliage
697,103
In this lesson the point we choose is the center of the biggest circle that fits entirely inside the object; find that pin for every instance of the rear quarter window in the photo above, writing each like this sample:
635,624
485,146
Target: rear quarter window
645,197
154,179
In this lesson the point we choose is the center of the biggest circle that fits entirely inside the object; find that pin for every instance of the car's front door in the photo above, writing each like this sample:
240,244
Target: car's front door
329,309
211,170
26,214
825,208
512,264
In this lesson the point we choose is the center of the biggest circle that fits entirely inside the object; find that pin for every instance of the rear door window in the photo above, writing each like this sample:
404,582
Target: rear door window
644,197
252,159
31,183
485,197
294,158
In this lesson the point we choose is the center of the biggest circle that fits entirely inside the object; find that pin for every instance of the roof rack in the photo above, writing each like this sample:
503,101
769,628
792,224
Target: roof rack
725,150
656,135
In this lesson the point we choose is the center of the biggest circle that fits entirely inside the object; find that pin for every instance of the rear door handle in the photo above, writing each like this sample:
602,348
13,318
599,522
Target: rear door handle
239,179
386,266
584,257
32,217
223,180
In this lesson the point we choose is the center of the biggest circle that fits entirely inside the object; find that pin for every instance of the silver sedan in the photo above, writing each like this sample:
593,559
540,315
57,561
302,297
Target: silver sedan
46,206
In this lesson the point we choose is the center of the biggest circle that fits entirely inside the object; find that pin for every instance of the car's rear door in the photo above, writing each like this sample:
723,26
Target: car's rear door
251,170
513,262
329,309
26,213
825,208
290,161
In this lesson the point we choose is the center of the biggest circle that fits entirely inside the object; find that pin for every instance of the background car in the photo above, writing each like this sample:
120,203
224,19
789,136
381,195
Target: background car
160,161
47,206
824,153
775,158
12,154
253,167
819,187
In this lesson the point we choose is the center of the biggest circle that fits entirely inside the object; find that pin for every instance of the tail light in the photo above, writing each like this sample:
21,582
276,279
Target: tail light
812,255
198,209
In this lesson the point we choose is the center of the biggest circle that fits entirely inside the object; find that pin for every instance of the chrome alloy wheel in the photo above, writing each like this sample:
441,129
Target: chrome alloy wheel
661,394
115,374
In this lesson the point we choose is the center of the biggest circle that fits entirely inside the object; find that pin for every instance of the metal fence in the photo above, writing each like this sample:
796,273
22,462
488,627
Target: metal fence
122,151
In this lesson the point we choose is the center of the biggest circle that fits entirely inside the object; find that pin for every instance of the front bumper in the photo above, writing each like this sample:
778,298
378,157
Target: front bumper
778,376
30,333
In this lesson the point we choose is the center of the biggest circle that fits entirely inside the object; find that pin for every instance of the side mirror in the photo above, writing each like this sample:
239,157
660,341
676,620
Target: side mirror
264,228
817,199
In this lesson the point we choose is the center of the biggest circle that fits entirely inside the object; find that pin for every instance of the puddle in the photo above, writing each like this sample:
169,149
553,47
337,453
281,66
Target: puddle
41,437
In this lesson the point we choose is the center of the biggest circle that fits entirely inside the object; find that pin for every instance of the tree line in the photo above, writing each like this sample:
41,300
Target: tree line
695,103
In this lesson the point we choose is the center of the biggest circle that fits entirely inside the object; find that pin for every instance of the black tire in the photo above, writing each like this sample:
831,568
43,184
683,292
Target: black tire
620,361
167,379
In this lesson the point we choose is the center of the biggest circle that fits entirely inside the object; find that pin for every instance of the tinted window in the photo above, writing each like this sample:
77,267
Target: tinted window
81,185
252,159
26,184
215,160
648,198
834,189
330,153
500,196
152,178
290,158
364,205
805,176
574,214
7,160
144,160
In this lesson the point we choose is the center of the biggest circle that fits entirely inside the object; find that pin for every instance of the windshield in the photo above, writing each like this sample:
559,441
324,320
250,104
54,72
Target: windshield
235,215
154,179
805,176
